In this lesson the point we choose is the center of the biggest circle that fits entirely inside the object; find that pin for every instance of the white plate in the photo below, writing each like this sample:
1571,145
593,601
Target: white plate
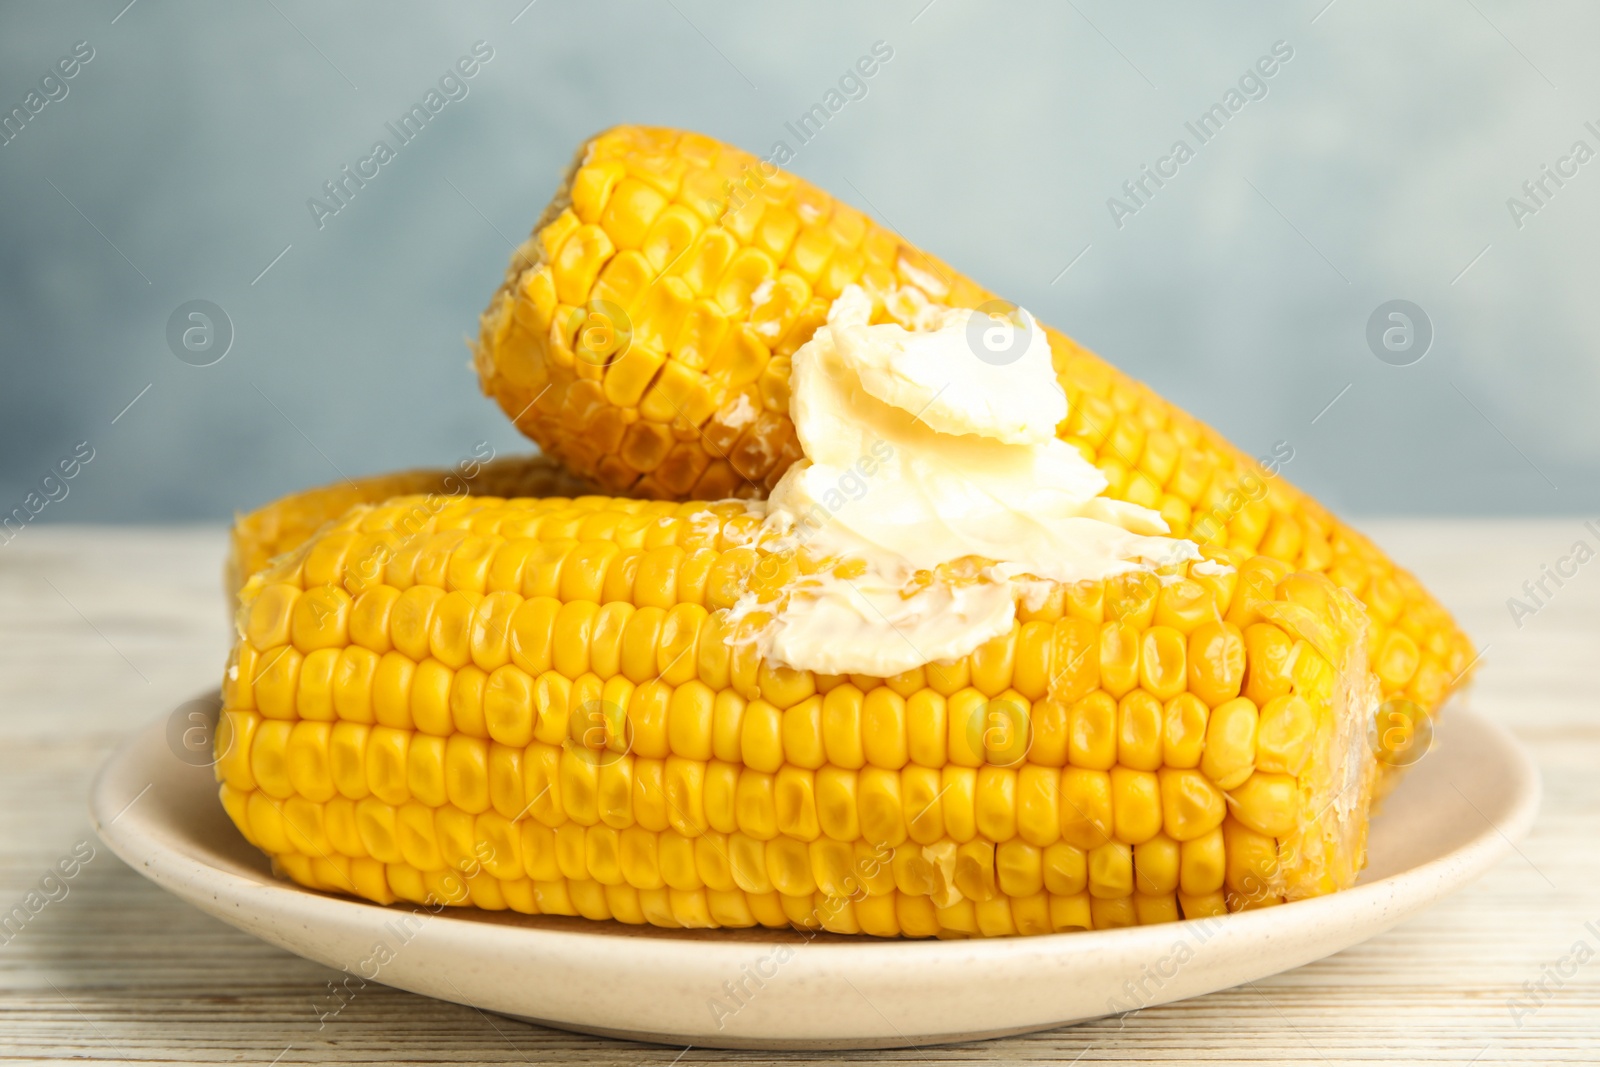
1457,812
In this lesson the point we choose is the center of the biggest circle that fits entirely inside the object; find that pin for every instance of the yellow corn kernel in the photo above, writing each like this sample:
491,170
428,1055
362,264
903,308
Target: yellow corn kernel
921,788
347,759
1092,732
1135,804
689,720
1184,605
1202,864
761,736
505,781
1396,660
630,210
508,706
306,757
1030,673
418,837
959,790
1076,651
1049,734
881,806
277,683
1039,804
993,664
1284,735
269,758
785,688
747,864
264,816
1184,722
541,784
1314,676
1065,869
1253,877
727,724
450,628
802,734
789,867
321,619
966,714
1156,865
949,678
1070,913
1155,909
1086,807
1163,666
270,617
678,867
926,730
1230,750
1019,869
1119,658
1132,597
235,736
975,871
831,866
1111,870
995,803
1191,805
1216,657
578,261
430,697
424,770
883,729
795,801
466,773
684,782
1267,803
339,821
411,619
836,798
592,186
1208,906
391,690
1268,651
1139,740
615,789
842,710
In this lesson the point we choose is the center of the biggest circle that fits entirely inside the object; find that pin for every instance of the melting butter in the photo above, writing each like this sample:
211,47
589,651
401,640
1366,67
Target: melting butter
934,485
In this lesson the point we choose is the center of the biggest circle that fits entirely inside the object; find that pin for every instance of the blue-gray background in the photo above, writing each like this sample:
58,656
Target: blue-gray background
1377,167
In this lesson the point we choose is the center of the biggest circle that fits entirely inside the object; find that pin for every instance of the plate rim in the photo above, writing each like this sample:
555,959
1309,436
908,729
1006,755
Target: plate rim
1399,895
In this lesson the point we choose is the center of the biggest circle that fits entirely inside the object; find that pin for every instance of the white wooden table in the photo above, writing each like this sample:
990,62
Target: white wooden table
103,629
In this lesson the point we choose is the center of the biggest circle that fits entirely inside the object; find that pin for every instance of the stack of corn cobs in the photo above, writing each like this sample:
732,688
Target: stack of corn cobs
511,684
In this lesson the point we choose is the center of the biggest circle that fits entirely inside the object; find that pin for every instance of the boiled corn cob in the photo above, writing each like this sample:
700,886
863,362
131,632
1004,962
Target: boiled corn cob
643,333
286,524
534,705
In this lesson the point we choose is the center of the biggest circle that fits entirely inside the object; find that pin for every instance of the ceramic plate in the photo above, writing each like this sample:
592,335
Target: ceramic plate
1456,813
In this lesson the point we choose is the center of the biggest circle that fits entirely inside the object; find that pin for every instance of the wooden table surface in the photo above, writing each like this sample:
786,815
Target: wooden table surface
105,628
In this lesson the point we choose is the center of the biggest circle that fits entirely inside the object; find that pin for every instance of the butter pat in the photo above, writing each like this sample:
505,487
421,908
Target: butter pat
936,475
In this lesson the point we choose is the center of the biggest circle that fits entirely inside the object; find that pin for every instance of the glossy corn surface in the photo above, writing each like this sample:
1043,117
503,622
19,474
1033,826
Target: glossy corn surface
288,523
534,705
643,336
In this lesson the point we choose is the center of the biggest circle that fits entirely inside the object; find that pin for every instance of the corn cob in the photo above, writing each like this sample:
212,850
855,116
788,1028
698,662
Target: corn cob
286,524
643,333
534,705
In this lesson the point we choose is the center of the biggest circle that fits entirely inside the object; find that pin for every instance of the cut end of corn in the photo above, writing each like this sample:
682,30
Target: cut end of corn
643,334
535,705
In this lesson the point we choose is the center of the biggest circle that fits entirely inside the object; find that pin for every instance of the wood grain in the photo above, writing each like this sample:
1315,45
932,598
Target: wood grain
102,629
